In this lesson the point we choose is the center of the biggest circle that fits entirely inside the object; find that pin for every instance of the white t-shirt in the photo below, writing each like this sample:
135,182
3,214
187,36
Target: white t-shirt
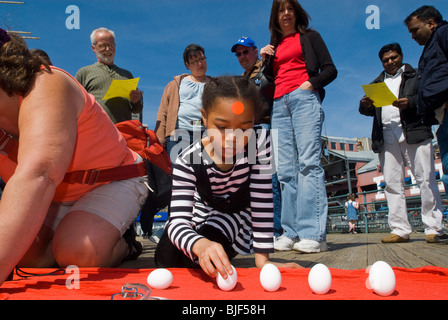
392,128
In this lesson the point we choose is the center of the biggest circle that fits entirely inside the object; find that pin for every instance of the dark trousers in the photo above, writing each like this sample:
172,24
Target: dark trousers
167,255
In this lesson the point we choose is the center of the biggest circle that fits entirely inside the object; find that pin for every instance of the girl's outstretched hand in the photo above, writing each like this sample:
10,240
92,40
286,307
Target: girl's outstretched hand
263,258
212,258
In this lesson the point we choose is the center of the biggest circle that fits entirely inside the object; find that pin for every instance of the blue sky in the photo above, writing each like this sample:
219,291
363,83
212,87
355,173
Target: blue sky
152,34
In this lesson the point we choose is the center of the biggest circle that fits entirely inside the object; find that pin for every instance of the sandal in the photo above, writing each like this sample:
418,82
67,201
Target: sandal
135,247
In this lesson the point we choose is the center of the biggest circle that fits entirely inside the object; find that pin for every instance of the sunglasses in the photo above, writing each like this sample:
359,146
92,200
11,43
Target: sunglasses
242,53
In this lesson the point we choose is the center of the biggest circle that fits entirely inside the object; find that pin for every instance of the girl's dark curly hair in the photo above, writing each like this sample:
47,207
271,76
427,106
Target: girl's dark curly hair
233,87
18,67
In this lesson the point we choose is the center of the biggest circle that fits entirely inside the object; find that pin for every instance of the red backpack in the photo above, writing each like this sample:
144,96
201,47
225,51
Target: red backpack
158,169
139,139
145,143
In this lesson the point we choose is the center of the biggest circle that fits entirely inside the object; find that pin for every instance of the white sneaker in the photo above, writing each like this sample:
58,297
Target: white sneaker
310,246
283,243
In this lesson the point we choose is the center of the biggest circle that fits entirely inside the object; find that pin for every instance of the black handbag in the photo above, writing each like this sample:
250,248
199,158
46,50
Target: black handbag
161,185
264,80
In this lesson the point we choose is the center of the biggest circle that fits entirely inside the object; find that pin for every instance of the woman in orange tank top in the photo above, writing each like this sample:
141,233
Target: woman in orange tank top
59,128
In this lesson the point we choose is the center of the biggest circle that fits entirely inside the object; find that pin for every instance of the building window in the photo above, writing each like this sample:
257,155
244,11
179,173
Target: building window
333,146
351,147
342,146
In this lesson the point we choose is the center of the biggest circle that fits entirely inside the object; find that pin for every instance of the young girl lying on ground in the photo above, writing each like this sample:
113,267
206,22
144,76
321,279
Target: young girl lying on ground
222,186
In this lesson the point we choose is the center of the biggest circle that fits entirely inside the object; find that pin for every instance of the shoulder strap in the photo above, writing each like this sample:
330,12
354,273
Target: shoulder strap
8,145
235,203
91,177
203,185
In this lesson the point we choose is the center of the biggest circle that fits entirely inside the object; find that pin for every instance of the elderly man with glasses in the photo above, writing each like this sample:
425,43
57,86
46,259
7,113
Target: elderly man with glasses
97,78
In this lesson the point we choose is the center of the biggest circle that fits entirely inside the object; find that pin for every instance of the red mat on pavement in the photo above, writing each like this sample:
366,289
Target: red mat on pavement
429,283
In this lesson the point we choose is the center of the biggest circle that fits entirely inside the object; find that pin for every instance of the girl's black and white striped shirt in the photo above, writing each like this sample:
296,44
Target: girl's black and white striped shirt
251,229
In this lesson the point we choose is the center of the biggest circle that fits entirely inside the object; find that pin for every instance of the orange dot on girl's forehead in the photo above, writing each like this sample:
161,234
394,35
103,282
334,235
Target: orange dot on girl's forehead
238,108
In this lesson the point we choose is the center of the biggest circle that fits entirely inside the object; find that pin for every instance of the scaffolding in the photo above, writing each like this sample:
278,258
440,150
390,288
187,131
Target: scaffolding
24,34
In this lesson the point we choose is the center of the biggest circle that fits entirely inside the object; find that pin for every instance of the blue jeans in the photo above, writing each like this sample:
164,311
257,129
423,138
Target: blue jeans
277,198
442,138
298,119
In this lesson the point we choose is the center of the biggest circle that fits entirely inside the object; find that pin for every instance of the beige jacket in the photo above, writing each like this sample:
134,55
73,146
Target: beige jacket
168,109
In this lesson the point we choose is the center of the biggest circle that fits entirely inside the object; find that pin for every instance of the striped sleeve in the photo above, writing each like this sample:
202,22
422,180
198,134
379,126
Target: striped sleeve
180,227
262,206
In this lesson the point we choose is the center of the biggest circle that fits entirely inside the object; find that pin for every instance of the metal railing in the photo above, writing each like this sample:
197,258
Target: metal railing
373,216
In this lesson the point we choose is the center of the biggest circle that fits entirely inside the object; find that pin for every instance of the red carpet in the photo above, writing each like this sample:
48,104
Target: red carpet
429,283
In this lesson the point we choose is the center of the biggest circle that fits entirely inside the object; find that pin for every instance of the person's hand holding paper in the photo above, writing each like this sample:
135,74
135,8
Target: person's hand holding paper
380,94
125,89
135,96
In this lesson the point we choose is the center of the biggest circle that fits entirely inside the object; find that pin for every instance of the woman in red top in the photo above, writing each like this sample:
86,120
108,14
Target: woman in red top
302,67
59,128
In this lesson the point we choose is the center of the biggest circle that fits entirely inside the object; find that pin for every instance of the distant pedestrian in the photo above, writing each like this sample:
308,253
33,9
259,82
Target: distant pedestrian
352,208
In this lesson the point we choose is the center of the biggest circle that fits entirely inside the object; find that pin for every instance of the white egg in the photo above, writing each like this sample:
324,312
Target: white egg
229,283
381,279
319,279
270,277
160,279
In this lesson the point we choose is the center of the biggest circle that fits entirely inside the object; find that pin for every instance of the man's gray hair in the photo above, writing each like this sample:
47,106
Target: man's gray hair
94,32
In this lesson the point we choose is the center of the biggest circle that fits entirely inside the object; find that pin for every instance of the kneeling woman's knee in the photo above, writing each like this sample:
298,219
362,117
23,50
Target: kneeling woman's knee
79,253
85,240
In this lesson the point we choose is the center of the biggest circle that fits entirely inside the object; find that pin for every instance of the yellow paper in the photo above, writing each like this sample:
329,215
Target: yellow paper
380,94
121,88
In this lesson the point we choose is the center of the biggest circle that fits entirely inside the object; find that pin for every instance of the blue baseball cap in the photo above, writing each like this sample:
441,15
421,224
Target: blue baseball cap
244,41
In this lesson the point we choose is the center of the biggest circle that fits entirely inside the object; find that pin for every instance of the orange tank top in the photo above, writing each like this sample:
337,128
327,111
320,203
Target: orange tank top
99,146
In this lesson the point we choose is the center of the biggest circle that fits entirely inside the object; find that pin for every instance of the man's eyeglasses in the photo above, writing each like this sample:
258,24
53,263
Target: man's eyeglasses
103,46
242,53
